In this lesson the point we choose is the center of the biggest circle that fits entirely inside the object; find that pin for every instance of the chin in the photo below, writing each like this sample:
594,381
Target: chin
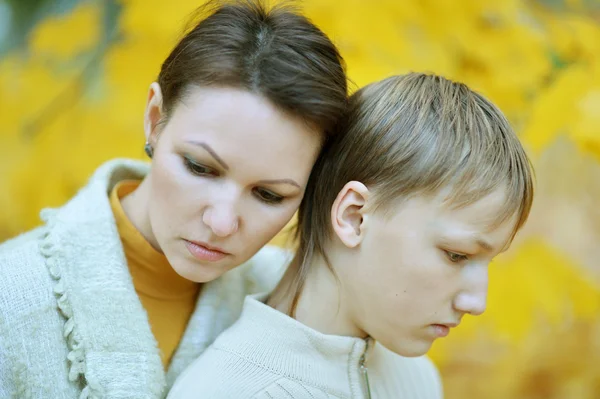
410,348
199,273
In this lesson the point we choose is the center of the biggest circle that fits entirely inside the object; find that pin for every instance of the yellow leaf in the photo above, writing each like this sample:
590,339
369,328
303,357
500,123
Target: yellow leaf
555,108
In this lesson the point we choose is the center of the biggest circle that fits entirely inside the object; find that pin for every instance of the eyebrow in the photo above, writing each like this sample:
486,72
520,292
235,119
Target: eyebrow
280,181
484,244
210,151
226,167
475,237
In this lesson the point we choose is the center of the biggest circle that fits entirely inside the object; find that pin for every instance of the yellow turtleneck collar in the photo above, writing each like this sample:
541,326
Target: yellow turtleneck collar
168,298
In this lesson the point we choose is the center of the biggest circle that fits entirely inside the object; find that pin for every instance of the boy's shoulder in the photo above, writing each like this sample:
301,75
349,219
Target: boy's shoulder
408,375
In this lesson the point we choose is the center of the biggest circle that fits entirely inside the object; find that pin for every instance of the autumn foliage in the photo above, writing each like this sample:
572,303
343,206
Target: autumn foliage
75,95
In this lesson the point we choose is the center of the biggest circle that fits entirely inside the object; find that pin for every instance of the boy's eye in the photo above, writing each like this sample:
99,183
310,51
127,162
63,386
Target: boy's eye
267,196
455,257
197,169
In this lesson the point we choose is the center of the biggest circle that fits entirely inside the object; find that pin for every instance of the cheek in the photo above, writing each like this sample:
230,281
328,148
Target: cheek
165,188
428,279
262,222
172,195
411,275
429,291
396,251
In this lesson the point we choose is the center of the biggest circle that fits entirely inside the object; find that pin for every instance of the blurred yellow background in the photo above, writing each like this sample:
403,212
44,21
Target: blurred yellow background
73,83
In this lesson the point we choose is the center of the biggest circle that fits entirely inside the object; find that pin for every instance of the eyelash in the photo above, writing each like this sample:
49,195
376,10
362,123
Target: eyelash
268,197
264,195
461,257
197,169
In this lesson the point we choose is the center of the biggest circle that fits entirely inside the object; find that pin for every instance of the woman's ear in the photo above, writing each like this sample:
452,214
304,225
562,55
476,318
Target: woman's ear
348,215
153,113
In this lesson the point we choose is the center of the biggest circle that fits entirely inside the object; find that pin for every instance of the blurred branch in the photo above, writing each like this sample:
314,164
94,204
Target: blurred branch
25,14
74,92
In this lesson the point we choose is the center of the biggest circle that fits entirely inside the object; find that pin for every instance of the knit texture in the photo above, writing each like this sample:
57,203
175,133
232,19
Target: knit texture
267,354
71,324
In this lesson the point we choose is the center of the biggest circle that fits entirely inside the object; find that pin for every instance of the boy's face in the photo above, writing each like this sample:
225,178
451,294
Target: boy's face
422,267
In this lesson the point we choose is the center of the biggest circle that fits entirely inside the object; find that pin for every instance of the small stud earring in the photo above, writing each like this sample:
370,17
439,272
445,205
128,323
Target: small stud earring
149,150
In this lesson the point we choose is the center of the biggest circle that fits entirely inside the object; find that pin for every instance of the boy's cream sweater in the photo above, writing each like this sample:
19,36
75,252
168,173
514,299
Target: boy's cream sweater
267,354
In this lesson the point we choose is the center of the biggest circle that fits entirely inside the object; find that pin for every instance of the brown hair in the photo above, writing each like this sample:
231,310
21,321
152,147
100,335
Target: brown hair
414,135
276,53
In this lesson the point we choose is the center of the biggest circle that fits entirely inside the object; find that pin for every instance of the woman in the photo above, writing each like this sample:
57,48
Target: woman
402,215
107,298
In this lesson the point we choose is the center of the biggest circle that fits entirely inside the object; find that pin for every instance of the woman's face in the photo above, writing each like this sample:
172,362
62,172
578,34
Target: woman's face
420,269
228,172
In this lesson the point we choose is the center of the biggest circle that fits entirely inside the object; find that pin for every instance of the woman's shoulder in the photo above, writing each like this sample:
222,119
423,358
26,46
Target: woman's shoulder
25,284
270,258
83,216
265,269
21,253
23,240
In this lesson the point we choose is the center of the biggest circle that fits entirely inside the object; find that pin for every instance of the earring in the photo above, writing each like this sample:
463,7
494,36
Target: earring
149,150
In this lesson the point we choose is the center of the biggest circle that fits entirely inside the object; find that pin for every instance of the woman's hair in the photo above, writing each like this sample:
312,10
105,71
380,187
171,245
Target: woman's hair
414,135
275,53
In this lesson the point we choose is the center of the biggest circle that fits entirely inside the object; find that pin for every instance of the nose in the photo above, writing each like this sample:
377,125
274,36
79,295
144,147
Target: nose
473,299
221,218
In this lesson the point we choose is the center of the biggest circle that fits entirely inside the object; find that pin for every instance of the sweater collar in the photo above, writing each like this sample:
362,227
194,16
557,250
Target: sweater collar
106,329
287,347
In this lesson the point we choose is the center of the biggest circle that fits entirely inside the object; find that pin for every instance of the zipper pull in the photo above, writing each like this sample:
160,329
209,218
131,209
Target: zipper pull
365,371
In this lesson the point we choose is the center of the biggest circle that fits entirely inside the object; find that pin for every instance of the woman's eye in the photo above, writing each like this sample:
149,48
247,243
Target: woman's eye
456,258
196,168
267,196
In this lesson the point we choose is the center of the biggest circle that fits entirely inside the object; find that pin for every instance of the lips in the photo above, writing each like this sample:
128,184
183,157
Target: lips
442,330
205,252
449,325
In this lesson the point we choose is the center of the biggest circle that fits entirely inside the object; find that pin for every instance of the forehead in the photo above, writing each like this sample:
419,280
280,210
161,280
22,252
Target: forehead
479,220
226,109
239,125
483,213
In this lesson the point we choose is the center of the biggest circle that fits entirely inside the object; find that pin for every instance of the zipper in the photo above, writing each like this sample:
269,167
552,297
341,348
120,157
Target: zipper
362,364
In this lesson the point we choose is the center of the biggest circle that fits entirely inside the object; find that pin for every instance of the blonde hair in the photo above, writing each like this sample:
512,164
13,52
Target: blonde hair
414,135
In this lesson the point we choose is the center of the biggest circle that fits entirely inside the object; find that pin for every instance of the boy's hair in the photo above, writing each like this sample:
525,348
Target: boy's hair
414,135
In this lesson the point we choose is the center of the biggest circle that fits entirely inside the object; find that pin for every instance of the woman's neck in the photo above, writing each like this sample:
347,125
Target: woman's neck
135,206
322,304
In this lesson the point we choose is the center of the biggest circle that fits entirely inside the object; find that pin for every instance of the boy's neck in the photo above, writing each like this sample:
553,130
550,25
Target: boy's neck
323,305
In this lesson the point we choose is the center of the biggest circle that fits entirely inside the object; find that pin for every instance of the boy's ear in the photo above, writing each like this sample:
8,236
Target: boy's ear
348,215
